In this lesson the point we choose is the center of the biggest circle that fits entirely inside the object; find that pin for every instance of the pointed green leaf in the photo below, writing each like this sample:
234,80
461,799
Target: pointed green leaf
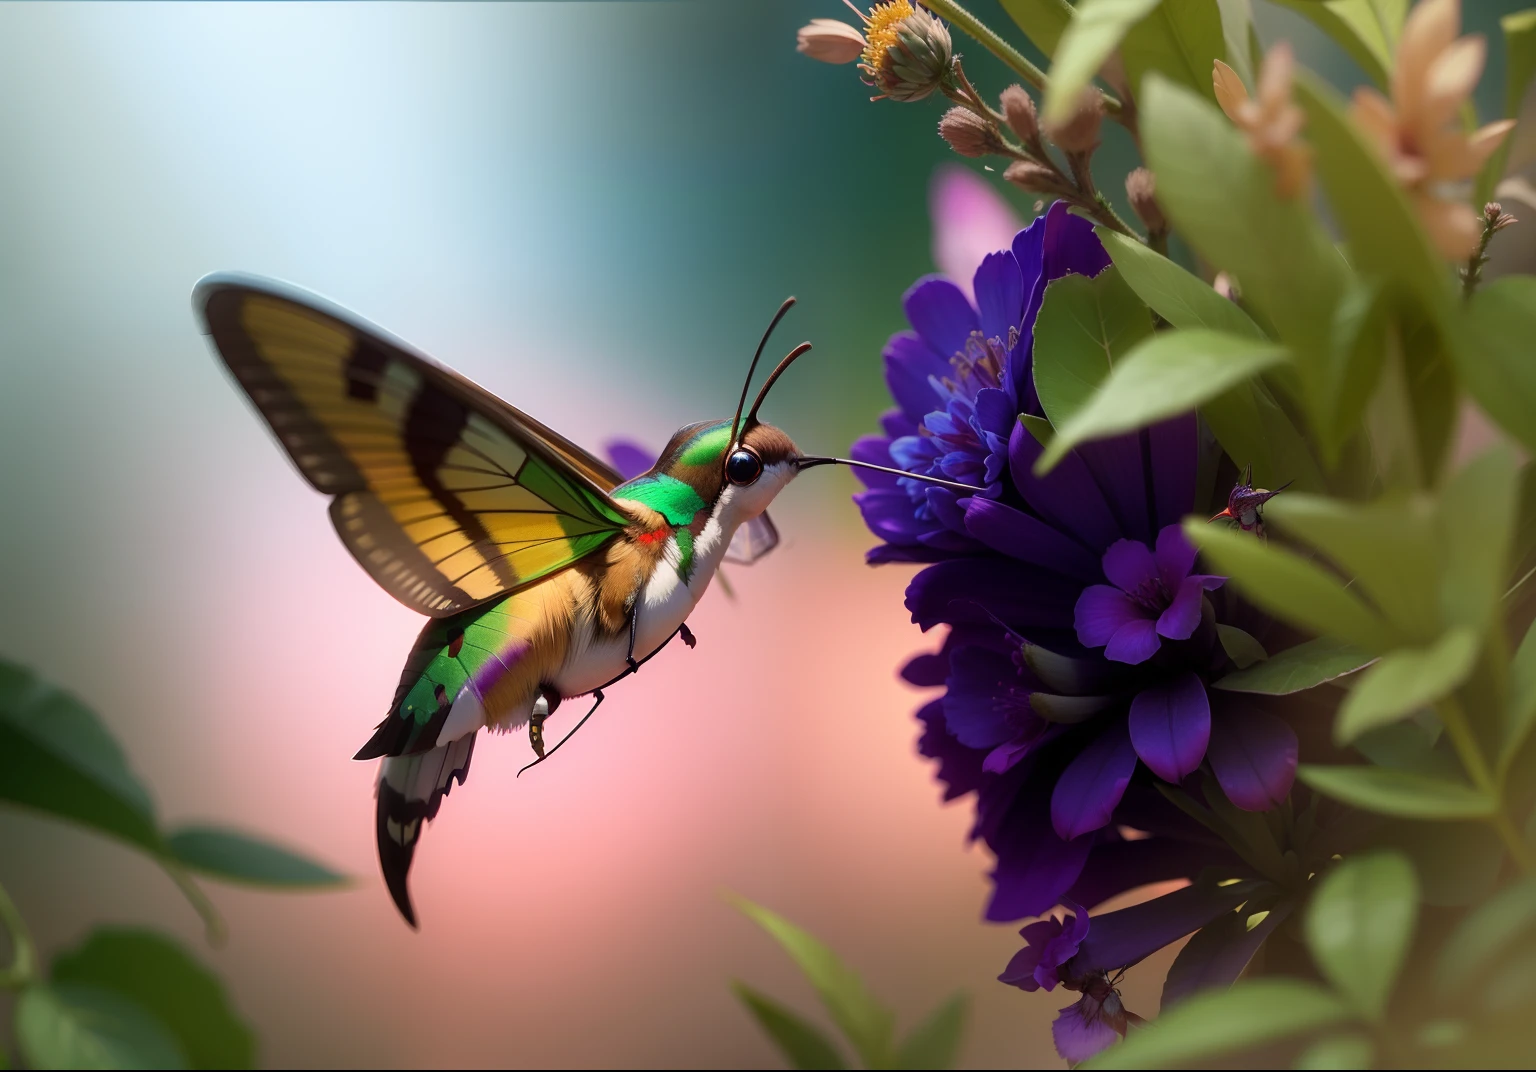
237,857
1289,586
1360,924
1491,929
56,757
1404,681
1170,373
1394,792
157,974
864,1021
1241,647
1476,527
1182,299
1350,1050
1492,351
1366,29
1519,68
1360,326
1084,328
935,1043
1043,21
1179,39
801,1042
1038,427
1296,669
1387,546
1218,1022
1222,199
73,1026
1096,30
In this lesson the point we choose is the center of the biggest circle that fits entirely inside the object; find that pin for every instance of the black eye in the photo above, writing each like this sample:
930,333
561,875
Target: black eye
743,467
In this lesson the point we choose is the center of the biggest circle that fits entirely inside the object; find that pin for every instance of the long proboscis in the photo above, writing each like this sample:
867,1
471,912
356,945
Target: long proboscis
810,462
752,368
789,359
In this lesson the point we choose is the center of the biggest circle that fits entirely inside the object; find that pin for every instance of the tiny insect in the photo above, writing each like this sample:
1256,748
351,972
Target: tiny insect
544,574
1245,504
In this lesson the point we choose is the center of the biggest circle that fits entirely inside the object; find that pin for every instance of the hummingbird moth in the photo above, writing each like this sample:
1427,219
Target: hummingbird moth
544,575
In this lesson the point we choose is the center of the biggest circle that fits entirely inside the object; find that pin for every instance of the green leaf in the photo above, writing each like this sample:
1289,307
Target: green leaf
1404,681
801,1042
1360,924
1350,1050
157,974
1360,327
1394,792
57,758
1085,326
1476,525
238,857
1387,546
1519,68
1240,646
1366,29
71,1026
1043,21
1492,353
1170,373
865,1022
1522,700
1097,28
1182,299
1457,863
1485,933
1222,199
1223,1021
1290,587
1296,669
1179,40
935,1043
1038,427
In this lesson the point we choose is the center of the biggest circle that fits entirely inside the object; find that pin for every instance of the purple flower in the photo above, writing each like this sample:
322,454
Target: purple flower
1051,944
1153,596
1091,1023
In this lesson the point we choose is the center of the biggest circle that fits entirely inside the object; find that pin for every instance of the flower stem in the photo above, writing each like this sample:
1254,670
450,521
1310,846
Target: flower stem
214,930
23,959
1471,755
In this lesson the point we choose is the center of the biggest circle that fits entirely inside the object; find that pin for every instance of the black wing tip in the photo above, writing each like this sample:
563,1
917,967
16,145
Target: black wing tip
394,857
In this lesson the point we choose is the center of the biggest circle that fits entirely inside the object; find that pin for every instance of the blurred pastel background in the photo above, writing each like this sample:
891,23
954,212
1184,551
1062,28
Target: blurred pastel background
592,210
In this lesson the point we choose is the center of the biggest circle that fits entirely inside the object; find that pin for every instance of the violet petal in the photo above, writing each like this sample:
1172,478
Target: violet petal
1182,617
1134,642
1066,496
1175,557
1116,465
999,295
940,314
1175,461
1120,939
1079,1032
1019,535
1254,756
1093,783
909,362
1170,726
629,457
1101,612
1219,952
1129,565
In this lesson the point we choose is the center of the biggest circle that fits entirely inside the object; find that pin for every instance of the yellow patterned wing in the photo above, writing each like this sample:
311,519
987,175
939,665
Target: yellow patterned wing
447,496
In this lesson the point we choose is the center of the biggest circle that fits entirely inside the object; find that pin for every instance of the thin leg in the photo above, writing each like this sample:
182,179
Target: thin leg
551,698
597,701
634,624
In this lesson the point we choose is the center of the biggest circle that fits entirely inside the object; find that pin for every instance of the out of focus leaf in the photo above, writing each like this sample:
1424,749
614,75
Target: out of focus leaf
1182,299
1457,863
1522,700
1519,68
1404,681
1410,745
1366,29
1387,546
157,974
1178,39
865,1022
1169,373
1350,1050
1360,327
1217,953
1043,21
74,1026
1208,1025
1492,353
1240,646
1290,587
1395,792
1296,669
1483,934
1476,524
935,1043
1084,328
238,857
57,758
1360,924
1222,199
801,1042
1097,28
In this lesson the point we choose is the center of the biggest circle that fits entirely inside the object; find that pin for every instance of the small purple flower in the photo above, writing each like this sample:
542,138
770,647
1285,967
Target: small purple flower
1051,944
1092,1023
1154,596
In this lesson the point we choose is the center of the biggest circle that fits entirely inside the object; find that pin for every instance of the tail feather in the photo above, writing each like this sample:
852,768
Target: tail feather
410,790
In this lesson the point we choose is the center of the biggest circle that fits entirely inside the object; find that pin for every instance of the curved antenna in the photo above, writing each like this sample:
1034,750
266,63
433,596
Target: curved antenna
752,368
789,359
808,461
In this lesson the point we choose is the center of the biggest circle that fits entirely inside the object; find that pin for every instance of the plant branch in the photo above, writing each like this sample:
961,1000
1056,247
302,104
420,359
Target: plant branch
23,957
213,924
1471,755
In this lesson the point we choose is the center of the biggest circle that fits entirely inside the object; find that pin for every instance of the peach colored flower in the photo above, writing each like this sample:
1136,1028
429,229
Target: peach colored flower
1272,121
1419,130
830,41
